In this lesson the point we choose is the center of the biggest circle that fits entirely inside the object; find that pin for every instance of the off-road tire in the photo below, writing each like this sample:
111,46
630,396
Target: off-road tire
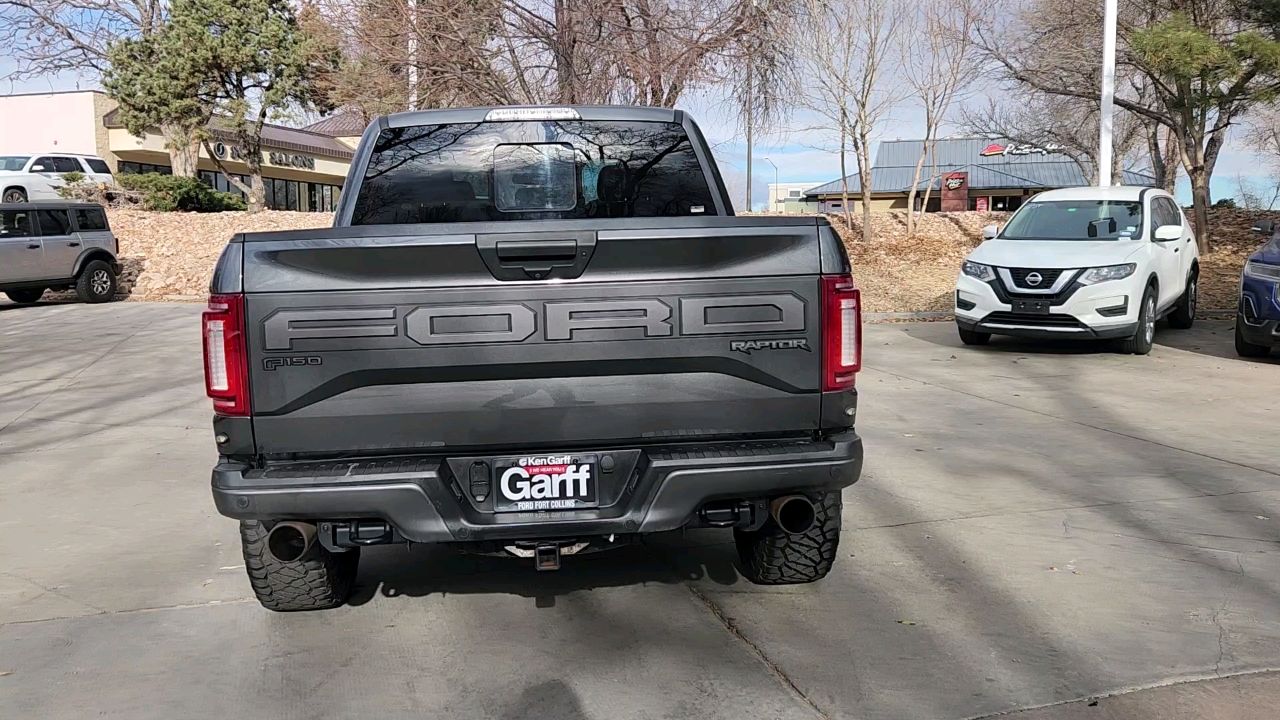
770,556
316,581
973,337
1184,313
25,297
1244,348
1143,337
14,195
97,282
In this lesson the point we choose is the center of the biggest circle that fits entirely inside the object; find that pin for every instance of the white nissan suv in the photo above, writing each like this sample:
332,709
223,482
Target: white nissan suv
1086,262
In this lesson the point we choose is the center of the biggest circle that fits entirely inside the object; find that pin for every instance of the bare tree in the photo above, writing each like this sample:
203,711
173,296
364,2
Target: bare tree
938,66
845,48
54,37
468,52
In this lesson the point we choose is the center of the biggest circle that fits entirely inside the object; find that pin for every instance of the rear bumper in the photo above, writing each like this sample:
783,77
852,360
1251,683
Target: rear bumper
421,499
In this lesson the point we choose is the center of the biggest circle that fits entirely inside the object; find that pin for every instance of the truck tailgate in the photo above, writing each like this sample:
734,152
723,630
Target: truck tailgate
384,339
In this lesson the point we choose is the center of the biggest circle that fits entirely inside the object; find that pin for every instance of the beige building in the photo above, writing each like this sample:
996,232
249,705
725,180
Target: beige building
789,198
303,168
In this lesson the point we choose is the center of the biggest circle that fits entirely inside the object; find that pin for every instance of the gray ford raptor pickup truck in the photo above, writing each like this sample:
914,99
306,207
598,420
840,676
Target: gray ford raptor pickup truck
534,332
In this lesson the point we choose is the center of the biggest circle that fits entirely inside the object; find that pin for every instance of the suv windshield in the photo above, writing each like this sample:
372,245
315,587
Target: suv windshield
479,172
1076,220
13,163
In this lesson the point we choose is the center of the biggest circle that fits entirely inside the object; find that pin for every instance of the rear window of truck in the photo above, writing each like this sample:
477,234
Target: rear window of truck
492,171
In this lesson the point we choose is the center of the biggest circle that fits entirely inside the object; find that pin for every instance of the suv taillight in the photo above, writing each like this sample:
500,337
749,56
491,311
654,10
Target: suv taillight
226,364
841,332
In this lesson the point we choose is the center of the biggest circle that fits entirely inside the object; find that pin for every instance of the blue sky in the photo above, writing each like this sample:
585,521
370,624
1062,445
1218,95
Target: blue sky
800,156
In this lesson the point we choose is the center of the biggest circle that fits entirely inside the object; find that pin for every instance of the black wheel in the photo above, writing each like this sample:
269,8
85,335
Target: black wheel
316,581
1184,313
771,556
25,297
97,282
14,195
973,337
1140,343
1244,348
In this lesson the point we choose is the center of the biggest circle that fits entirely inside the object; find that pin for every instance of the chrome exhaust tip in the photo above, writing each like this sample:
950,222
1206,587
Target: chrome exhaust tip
793,513
289,541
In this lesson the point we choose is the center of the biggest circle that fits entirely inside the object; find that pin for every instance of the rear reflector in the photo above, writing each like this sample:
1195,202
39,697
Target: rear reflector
841,332
226,366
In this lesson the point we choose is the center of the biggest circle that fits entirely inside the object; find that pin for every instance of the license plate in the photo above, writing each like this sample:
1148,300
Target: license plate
1039,307
545,482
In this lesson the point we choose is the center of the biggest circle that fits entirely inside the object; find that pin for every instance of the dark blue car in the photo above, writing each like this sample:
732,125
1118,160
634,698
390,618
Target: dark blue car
1259,311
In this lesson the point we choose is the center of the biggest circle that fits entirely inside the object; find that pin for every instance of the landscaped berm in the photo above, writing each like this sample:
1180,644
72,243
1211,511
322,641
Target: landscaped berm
170,256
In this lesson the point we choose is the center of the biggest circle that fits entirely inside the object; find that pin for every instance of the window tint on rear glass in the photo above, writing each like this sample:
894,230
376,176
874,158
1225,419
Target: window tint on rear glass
66,165
1076,220
481,172
90,219
54,222
15,223
98,166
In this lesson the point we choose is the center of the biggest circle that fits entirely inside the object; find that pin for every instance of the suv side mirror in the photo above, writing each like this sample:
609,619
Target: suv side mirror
990,232
1165,233
1264,227
40,167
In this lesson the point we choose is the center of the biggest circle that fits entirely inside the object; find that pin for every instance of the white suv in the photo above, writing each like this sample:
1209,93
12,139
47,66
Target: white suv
25,178
1082,263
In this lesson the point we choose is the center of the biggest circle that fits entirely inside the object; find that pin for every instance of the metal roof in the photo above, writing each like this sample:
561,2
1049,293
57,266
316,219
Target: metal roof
1005,166
343,124
273,136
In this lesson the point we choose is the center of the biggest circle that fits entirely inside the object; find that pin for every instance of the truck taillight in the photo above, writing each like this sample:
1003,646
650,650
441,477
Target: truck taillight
226,362
841,332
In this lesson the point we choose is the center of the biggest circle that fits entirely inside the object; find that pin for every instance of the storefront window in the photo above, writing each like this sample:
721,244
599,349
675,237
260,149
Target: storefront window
133,168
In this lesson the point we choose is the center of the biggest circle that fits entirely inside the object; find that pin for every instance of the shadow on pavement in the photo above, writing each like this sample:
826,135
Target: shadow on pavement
424,570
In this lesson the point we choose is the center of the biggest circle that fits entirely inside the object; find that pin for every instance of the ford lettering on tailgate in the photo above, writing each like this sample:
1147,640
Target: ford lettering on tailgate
463,324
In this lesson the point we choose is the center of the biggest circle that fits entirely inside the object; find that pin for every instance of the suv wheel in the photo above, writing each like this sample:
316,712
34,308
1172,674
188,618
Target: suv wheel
1140,343
316,581
97,283
25,297
973,337
1244,348
771,556
1184,314
14,195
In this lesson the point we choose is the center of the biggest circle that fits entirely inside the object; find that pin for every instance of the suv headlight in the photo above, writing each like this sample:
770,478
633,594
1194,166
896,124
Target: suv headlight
1093,276
1262,271
985,273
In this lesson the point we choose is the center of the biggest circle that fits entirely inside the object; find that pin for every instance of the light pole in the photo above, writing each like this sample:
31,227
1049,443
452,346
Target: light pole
1108,91
775,183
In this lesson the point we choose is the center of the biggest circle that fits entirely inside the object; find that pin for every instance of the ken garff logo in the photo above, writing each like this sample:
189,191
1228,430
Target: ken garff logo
748,346
1034,279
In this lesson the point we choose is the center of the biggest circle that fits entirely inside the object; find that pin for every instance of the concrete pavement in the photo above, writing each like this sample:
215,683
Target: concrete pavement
1035,525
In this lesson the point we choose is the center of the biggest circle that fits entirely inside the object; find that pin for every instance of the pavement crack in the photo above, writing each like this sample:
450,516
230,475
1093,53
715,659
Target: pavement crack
1217,615
101,612
54,592
756,650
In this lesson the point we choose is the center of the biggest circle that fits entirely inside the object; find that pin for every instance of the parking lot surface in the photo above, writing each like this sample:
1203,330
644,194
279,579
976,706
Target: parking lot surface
1035,525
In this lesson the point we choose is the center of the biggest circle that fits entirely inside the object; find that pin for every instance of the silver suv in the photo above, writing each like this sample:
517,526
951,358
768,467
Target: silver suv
59,246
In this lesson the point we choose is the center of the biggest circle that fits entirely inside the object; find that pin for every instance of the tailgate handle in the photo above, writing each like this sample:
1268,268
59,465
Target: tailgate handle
538,252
